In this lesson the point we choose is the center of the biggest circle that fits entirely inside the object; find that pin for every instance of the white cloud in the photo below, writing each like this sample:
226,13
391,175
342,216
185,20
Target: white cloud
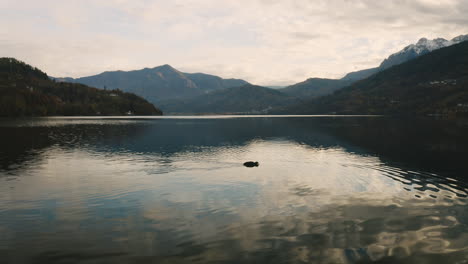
263,41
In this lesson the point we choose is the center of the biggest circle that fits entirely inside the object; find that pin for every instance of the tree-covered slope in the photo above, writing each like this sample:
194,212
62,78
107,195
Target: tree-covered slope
435,83
423,46
319,87
27,91
245,99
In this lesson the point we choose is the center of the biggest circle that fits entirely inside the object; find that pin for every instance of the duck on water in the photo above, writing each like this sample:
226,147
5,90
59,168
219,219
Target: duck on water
251,164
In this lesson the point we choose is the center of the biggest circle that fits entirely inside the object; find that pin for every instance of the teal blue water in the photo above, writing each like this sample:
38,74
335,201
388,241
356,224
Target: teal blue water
174,190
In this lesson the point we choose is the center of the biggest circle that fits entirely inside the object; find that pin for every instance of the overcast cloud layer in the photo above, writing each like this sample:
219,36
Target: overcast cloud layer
267,42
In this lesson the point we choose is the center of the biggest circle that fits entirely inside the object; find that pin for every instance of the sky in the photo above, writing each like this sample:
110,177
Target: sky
266,42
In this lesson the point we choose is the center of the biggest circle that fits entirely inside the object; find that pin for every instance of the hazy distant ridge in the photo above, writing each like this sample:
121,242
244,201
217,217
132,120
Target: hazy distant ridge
159,83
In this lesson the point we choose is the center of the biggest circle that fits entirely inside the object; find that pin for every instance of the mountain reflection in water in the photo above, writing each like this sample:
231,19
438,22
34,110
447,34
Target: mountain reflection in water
329,190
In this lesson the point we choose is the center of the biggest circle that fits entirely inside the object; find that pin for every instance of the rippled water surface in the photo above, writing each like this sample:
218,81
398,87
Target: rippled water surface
174,190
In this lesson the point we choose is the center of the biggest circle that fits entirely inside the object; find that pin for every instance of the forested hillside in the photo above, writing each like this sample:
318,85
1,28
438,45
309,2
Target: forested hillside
435,83
247,99
27,91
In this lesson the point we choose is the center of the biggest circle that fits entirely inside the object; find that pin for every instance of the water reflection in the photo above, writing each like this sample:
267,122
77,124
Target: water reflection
329,190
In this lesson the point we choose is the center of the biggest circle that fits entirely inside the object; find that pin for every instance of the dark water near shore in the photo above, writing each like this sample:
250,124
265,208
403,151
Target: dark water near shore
163,190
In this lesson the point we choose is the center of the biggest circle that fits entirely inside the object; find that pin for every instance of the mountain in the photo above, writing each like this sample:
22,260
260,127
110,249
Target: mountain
319,87
359,75
434,83
209,82
247,99
159,83
27,91
423,46
275,86
315,87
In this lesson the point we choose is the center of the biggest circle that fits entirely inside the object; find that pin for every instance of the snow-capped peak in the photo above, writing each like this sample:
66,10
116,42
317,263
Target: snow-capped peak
425,45
460,38
421,47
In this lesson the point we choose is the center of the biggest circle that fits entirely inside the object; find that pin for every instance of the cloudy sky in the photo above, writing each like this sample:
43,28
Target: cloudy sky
267,42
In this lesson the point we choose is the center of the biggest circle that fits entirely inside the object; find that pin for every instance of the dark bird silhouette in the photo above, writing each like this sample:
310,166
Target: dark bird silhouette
251,164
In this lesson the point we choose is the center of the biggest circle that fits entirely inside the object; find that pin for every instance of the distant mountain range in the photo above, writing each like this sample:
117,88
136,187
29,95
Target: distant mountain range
315,87
178,92
27,91
428,77
247,99
433,83
159,83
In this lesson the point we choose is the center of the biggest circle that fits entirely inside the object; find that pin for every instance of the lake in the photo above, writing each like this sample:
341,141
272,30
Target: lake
174,190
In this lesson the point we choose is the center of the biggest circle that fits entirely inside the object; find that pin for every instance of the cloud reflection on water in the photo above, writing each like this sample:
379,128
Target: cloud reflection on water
121,197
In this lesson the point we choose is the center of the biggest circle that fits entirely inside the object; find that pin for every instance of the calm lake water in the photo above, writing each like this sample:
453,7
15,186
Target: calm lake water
174,190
